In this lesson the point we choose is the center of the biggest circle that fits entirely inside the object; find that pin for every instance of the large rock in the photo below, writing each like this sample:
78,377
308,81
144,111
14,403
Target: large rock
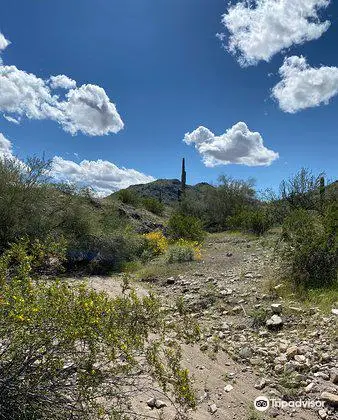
332,399
275,322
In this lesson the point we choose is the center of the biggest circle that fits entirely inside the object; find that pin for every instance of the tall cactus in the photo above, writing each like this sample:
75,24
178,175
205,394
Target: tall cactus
181,191
322,193
183,177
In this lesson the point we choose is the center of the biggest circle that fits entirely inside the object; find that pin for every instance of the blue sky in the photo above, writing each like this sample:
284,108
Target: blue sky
162,65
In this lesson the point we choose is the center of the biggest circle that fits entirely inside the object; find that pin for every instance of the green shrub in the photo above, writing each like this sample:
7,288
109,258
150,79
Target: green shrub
186,227
71,353
180,253
102,253
310,249
128,197
153,205
256,221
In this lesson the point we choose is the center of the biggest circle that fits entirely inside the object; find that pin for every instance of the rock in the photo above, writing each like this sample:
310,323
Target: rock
291,352
249,276
151,402
236,309
295,309
334,311
160,404
277,308
309,387
229,254
221,335
261,384
245,353
275,322
300,358
334,376
330,398
289,367
226,292
213,408
279,286
171,280
228,388
278,368
322,414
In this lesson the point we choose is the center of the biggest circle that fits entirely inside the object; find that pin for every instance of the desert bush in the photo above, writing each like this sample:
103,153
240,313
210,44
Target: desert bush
128,197
310,248
103,253
183,251
153,205
185,227
256,221
155,244
303,190
71,353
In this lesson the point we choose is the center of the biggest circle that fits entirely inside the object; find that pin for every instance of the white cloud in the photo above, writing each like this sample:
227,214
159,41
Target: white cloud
237,145
261,28
5,146
86,109
3,42
303,86
103,176
11,119
61,81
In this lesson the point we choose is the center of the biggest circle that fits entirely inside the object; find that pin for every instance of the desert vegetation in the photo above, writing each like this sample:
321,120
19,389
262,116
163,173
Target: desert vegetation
70,352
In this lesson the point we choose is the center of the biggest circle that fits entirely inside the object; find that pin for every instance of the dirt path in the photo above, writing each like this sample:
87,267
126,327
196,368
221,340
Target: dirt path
227,292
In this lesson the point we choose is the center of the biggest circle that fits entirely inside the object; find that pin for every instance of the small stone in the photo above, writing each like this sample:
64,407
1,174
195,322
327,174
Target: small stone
291,352
151,402
309,387
277,308
229,254
300,358
160,404
334,311
330,398
278,368
261,384
171,280
289,367
213,408
334,376
275,322
221,335
228,388
322,414
236,309
245,353
279,286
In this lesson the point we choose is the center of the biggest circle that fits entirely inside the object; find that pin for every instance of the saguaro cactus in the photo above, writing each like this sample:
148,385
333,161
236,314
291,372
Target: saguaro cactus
322,193
183,181
183,177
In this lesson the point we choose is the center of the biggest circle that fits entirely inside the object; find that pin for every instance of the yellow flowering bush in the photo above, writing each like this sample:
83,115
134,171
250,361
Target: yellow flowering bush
70,352
157,243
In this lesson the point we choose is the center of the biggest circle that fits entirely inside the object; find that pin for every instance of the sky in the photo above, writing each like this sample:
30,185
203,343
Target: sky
116,92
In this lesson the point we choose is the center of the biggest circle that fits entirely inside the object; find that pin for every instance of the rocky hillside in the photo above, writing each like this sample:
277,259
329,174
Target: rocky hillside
165,190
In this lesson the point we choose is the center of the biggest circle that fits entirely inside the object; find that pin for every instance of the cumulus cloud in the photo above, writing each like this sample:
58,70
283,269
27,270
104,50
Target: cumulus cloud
303,86
3,42
5,147
103,176
61,81
237,145
85,109
258,29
